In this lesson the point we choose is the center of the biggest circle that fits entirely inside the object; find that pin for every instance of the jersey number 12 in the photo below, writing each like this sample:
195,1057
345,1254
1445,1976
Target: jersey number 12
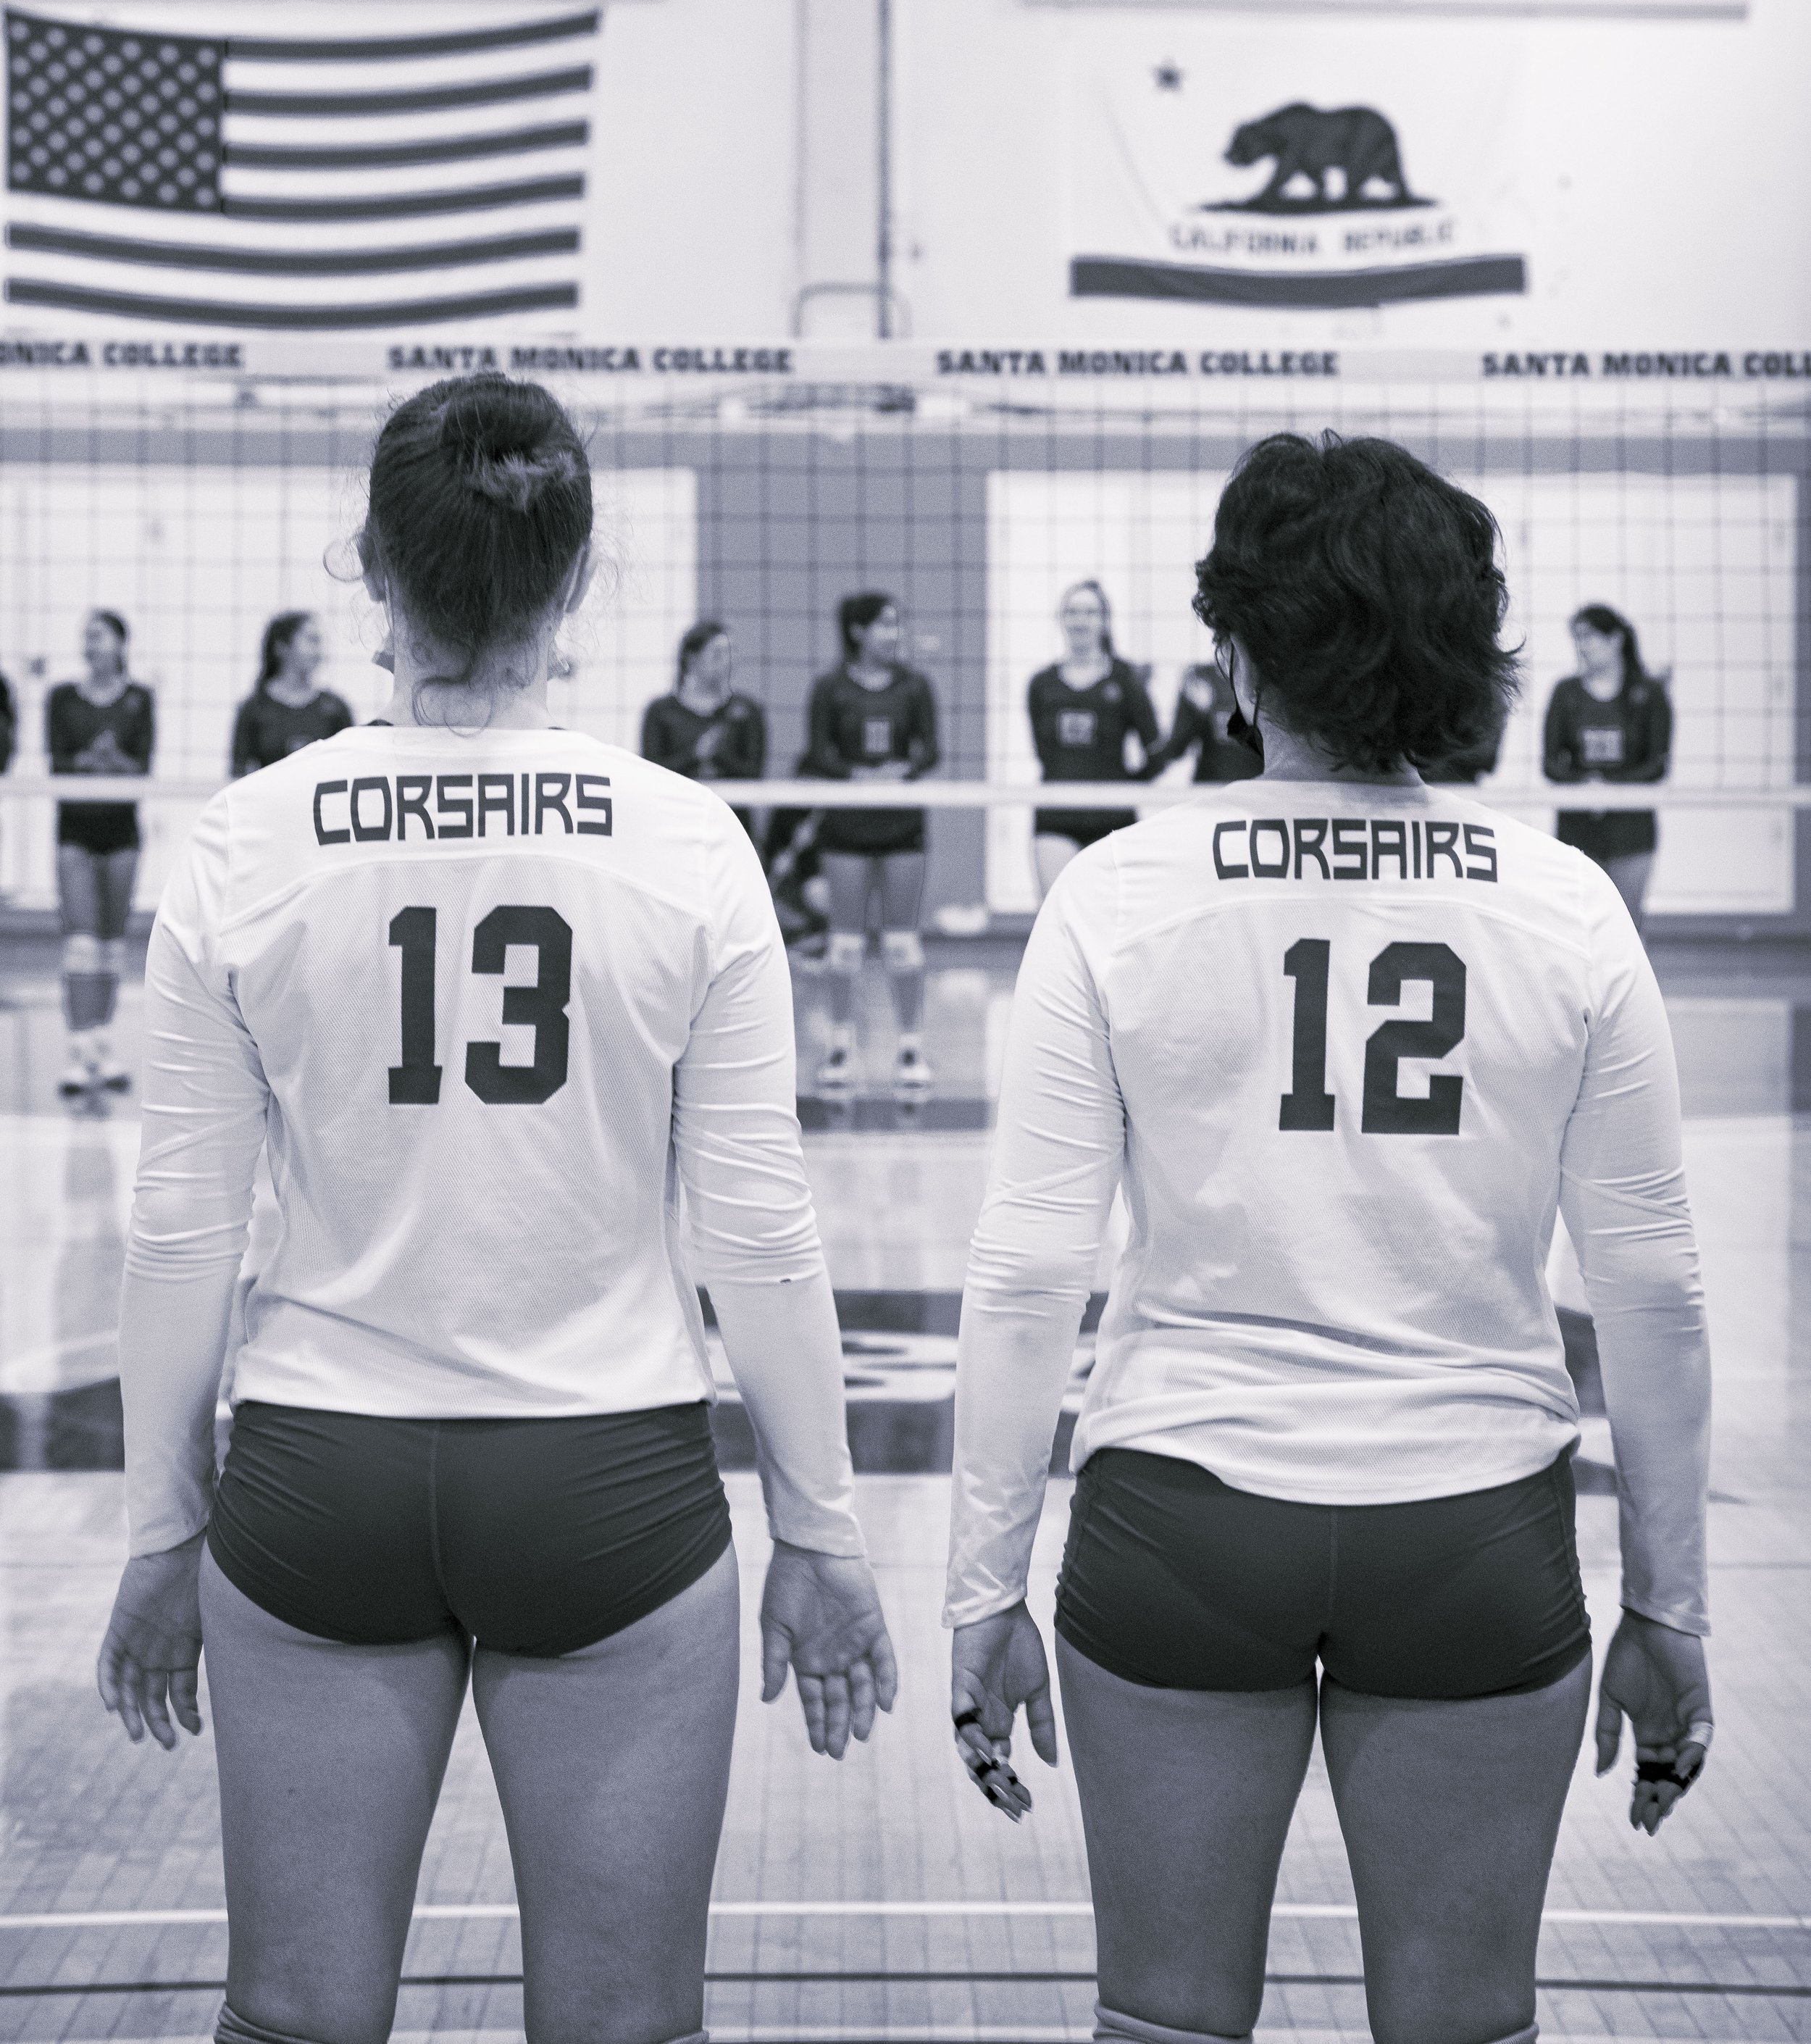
416,1082
1309,1106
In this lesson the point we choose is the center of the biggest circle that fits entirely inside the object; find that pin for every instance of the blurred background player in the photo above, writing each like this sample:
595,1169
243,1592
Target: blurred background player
1610,721
703,728
871,718
470,1444
1324,1463
1207,719
1083,710
285,710
105,723
9,724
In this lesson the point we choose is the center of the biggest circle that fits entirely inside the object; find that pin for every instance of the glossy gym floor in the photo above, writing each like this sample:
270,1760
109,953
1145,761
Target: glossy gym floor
882,1899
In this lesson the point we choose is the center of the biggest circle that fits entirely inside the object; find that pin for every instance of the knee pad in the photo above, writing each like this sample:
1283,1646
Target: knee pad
847,948
233,2028
903,951
112,955
1110,2027
82,954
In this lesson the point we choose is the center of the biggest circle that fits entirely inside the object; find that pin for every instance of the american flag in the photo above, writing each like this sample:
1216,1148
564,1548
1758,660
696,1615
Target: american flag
297,183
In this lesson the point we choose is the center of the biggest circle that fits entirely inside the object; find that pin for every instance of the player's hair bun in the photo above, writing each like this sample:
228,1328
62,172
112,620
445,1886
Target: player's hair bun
480,501
505,440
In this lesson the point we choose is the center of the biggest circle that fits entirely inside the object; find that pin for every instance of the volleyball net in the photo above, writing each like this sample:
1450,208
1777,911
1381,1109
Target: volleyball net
759,488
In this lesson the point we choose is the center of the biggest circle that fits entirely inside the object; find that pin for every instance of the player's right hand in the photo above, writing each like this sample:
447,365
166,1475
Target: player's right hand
153,1648
820,1615
1656,1678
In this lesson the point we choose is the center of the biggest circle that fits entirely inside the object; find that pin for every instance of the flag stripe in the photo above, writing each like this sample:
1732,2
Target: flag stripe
458,149
543,85
194,311
404,205
266,51
271,263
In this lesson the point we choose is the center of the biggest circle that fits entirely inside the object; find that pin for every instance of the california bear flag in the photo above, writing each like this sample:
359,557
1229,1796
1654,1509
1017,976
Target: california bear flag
1302,163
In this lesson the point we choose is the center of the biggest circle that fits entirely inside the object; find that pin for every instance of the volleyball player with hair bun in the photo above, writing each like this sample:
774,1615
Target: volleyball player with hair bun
1082,709
104,723
872,718
1349,1040
1610,721
495,994
286,710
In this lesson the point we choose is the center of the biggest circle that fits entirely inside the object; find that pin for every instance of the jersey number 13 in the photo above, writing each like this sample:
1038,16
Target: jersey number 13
1309,1106
416,1082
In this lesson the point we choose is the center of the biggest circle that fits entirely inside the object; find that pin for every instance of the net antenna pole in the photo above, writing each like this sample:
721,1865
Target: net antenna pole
883,171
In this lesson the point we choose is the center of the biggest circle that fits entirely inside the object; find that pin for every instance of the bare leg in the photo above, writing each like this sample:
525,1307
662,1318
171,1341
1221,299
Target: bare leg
1451,1812
849,875
86,1001
1630,876
1186,1798
902,890
331,1759
613,1768
118,870
1049,854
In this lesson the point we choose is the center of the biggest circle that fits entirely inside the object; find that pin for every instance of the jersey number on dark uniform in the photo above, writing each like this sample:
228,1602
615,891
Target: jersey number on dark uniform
416,1082
1309,1106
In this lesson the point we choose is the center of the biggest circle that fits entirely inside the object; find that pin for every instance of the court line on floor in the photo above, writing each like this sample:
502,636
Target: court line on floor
1748,1990
431,1912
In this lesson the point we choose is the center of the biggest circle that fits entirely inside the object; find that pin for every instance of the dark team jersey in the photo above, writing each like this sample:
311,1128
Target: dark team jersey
1202,712
849,726
266,731
1081,733
670,733
9,724
72,724
1629,738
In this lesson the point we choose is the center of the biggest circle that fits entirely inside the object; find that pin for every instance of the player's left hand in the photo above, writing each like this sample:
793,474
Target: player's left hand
151,1658
1656,1678
820,1614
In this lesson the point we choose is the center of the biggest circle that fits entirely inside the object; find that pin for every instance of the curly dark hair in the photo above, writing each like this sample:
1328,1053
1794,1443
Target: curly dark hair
1366,591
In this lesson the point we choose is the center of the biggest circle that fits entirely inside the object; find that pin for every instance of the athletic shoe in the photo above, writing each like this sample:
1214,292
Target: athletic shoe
79,1075
836,1074
109,1071
913,1075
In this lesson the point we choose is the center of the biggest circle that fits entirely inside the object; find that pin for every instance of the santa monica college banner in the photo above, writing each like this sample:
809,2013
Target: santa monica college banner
1237,162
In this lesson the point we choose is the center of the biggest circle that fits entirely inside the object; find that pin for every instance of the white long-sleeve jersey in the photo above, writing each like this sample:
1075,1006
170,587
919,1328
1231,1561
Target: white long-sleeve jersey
500,1008
1347,1048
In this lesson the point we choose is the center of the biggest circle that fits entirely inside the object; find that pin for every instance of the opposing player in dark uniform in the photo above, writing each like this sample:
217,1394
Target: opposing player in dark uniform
705,728
471,1447
105,723
872,719
285,710
1083,709
1345,1042
1208,721
1611,721
9,724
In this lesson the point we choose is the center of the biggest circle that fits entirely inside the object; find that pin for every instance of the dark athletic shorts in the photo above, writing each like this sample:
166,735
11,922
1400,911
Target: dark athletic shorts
536,1536
1175,1580
1606,834
100,827
1086,826
870,833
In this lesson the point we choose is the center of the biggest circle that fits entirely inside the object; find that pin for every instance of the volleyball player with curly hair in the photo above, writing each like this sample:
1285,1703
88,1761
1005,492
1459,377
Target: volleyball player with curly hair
1349,1040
